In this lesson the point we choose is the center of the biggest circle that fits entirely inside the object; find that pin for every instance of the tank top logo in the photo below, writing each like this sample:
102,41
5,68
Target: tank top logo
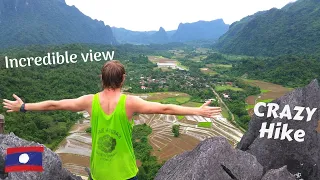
107,143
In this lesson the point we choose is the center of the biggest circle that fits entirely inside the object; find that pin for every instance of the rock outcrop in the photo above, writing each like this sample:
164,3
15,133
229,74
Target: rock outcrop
212,159
281,173
216,159
52,164
302,158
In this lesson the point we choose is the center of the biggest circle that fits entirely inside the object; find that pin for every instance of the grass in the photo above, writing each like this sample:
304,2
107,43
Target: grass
266,100
248,80
192,104
182,100
198,58
182,66
208,71
180,117
264,90
205,124
222,65
225,113
173,100
249,106
227,87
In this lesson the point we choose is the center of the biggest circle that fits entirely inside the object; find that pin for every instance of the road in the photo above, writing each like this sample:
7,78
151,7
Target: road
226,107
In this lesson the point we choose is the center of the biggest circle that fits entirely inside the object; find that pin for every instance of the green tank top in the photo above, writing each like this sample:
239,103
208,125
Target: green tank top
112,156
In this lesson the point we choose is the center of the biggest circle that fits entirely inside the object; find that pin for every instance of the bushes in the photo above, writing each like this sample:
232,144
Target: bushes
175,130
88,130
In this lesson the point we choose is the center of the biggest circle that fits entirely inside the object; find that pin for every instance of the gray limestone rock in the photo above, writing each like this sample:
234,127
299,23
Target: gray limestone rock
279,174
300,157
51,162
212,159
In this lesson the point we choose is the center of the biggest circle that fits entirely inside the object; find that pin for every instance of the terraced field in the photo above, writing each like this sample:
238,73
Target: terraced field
165,145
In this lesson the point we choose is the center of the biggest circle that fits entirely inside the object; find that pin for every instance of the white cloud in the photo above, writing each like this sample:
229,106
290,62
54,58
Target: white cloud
143,15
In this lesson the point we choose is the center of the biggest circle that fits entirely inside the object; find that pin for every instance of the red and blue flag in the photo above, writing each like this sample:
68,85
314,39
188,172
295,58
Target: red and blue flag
24,159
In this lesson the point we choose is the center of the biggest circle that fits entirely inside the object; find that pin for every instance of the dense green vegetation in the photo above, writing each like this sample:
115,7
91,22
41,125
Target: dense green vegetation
236,103
142,150
288,70
290,30
88,130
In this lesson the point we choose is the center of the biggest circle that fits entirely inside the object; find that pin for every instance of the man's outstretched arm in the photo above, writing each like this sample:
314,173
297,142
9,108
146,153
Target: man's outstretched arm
79,104
146,107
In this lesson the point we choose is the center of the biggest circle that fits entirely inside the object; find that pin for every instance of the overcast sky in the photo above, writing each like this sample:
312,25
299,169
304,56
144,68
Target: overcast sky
145,15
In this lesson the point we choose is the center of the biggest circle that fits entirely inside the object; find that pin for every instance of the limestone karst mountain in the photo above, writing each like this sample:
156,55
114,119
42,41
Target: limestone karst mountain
30,22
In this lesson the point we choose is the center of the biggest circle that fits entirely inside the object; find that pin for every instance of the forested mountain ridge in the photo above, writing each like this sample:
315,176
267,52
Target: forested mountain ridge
27,22
294,29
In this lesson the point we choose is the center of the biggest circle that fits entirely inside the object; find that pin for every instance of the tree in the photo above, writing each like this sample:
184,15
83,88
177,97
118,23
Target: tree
175,130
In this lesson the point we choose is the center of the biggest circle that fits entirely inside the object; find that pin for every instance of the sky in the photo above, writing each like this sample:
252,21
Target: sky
146,15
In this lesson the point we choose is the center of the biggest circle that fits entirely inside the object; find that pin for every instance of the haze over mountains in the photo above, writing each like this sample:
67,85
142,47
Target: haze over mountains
141,37
201,30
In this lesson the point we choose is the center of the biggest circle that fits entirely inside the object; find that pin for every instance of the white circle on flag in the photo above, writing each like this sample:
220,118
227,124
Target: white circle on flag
24,158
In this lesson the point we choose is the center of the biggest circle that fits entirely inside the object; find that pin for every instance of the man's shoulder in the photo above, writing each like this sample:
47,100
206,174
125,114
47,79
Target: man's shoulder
87,98
132,99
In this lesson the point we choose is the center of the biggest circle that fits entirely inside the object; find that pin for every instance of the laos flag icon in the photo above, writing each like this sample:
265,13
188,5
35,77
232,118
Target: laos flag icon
24,159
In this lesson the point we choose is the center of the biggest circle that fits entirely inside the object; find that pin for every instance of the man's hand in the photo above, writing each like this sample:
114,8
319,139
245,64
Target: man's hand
207,111
13,106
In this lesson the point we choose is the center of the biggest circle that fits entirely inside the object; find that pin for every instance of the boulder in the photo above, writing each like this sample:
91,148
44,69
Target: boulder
51,162
301,158
279,174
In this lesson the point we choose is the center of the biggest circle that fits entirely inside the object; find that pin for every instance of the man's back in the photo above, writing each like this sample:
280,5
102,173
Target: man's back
112,152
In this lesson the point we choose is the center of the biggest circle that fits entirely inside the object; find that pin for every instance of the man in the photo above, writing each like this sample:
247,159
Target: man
112,156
